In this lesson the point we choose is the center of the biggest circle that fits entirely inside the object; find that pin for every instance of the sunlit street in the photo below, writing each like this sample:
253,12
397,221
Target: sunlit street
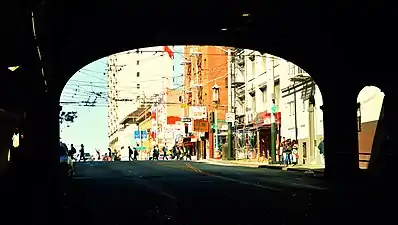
179,192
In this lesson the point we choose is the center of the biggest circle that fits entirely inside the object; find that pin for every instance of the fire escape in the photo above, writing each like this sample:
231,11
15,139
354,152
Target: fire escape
199,83
238,82
188,92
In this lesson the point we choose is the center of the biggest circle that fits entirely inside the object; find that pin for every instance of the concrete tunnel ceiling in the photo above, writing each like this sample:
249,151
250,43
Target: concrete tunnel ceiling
296,32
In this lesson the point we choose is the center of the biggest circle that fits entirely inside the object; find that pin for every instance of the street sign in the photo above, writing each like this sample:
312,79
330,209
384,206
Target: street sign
273,109
144,134
136,134
201,126
230,117
141,148
185,119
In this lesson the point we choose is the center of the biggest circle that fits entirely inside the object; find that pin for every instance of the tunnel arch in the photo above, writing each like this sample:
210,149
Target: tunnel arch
289,49
313,51
309,133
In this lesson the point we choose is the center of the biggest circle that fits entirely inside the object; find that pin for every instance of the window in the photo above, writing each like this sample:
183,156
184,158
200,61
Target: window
299,70
173,67
254,103
264,94
138,62
291,108
303,106
138,86
291,69
138,74
277,88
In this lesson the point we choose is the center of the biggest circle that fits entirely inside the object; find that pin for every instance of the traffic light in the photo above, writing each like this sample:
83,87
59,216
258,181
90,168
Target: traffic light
186,128
212,117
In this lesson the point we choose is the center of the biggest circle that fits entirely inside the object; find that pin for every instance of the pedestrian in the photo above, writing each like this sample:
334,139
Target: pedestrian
295,154
110,154
322,152
99,154
72,152
165,152
82,153
156,153
131,153
135,154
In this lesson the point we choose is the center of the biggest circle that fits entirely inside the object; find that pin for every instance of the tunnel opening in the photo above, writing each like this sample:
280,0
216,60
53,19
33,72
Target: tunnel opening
369,108
165,96
193,104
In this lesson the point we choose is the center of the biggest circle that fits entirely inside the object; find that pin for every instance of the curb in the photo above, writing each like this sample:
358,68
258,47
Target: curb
273,167
315,171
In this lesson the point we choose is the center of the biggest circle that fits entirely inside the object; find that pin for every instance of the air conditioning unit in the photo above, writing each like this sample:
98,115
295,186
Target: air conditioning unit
193,52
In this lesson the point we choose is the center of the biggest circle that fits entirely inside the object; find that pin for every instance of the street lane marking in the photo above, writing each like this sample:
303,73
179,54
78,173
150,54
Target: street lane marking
233,180
309,186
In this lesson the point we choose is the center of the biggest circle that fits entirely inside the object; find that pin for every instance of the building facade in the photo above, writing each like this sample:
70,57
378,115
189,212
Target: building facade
370,100
263,81
168,116
134,77
206,67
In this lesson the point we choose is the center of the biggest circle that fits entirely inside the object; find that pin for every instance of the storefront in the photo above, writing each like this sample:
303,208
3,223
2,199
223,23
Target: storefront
253,141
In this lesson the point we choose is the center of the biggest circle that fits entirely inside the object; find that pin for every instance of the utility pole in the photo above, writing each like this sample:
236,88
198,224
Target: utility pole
273,113
246,109
230,147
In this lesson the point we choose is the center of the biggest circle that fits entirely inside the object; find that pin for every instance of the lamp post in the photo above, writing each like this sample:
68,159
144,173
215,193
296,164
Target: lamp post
139,132
216,102
230,155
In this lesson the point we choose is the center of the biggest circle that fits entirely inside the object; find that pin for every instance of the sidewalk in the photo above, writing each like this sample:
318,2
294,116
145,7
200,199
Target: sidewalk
255,164
242,162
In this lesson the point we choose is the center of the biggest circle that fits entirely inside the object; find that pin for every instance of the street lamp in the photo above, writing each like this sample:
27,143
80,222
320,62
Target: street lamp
216,102
216,94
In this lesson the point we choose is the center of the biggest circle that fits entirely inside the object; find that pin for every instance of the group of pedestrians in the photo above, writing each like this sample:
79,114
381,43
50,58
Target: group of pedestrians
80,156
133,154
181,152
288,152
176,153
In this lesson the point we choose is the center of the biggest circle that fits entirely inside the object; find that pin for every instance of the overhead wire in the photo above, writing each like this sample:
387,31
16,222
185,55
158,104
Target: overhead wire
104,94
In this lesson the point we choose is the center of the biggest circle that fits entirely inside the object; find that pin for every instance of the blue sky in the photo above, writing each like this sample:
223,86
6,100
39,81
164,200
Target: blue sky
178,68
91,126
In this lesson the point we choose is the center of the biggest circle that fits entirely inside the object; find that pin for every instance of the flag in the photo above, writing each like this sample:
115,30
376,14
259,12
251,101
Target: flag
169,51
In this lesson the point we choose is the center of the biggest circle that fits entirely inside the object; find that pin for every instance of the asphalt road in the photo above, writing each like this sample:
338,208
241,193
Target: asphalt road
176,192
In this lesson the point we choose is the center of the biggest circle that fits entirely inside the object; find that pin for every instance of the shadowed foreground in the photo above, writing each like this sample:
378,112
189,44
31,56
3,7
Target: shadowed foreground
170,192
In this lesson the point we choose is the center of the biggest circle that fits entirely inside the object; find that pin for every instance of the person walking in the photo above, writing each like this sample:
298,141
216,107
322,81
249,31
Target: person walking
131,153
165,152
110,154
135,154
82,153
98,154
322,152
72,152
